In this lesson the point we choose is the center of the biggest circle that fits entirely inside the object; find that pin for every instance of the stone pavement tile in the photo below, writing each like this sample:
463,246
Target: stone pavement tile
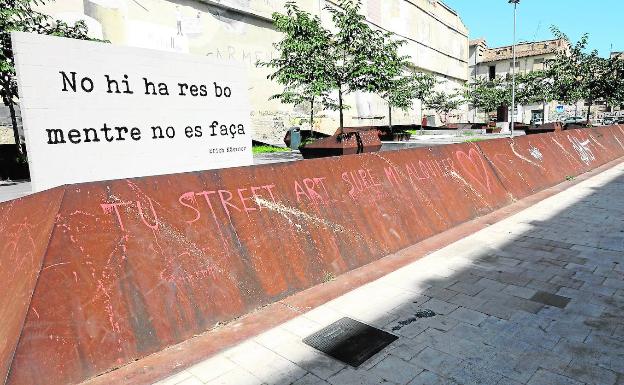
598,289
407,327
543,286
581,267
510,366
264,364
302,326
568,282
470,316
491,284
550,299
190,381
468,373
407,351
453,368
440,294
439,306
589,277
350,376
519,291
496,308
211,368
590,374
508,381
572,328
175,379
466,288
310,379
310,359
324,315
536,321
464,349
429,378
436,361
467,301
239,376
545,377
584,308
395,370
606,324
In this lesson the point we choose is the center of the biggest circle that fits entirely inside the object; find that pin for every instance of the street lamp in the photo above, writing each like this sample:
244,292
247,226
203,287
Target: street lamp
513,71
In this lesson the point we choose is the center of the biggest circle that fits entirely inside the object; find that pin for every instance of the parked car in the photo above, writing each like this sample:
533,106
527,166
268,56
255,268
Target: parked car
575,119
537,121
609,120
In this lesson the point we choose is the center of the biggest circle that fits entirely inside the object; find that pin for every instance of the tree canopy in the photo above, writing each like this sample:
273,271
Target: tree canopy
19,16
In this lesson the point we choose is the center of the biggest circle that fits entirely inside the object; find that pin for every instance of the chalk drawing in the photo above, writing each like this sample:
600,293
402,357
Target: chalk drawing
582,148
535,153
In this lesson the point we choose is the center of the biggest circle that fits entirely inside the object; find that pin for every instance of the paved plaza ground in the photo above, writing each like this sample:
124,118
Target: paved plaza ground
537,298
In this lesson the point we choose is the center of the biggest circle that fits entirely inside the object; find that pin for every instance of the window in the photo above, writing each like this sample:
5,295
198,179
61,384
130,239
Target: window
492,72
538,64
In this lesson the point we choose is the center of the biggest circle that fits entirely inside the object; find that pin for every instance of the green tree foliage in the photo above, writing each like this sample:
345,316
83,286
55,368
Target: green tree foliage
302,67
393,80
19,15
487,95
579,74
443,103
353,58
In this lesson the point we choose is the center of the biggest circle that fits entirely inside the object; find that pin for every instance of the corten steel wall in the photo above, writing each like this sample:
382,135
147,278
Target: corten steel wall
134,266
25,229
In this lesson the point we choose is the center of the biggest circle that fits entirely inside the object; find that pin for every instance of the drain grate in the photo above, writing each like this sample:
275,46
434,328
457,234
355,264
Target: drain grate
350,341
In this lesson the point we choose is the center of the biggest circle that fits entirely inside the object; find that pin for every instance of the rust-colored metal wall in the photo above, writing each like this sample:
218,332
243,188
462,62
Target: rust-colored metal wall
134,266
25,229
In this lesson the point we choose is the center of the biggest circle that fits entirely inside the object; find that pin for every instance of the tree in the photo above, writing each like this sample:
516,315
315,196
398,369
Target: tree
488,95
302,66
601,80
19,15
443,103
393,79
406,89
533,87
353,58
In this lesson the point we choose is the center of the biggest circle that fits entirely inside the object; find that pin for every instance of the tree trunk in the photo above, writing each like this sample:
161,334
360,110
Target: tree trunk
589,110
390,117
312,118
340,108
16,136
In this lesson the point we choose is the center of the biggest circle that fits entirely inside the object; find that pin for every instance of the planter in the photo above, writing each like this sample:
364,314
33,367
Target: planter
349,143
395,136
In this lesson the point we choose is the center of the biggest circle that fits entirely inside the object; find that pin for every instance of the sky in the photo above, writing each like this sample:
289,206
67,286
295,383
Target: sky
493,20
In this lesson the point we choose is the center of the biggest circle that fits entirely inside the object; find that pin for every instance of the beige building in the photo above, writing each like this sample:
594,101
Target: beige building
241,30
486,62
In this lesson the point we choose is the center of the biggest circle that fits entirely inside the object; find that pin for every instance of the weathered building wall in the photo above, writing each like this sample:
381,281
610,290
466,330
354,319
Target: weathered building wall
241,30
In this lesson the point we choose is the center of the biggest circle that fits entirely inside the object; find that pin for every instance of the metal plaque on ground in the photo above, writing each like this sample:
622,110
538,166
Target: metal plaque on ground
350,341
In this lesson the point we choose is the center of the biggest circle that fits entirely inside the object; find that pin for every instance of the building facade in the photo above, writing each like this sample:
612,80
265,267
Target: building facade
486,62
242,31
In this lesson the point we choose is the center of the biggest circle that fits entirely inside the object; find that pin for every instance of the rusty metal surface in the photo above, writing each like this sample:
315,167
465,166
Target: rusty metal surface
351,141
25,228
137,265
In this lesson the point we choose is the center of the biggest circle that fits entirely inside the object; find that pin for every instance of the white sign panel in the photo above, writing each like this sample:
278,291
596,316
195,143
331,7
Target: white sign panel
94,111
